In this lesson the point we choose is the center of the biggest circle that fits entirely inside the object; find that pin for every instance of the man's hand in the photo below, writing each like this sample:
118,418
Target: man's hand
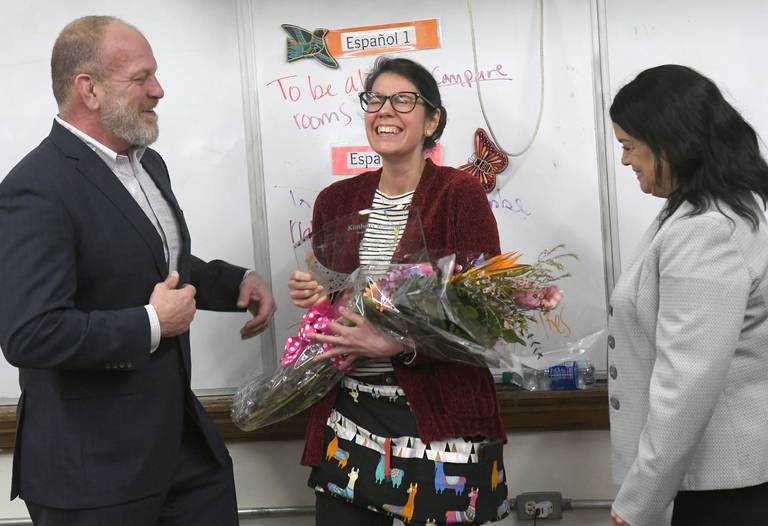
257,298
175,308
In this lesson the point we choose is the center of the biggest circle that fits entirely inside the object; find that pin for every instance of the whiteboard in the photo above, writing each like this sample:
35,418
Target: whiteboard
202,139
725,41
241,165
547,197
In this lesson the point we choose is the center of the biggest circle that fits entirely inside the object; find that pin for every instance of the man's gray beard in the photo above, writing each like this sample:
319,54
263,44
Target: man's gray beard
127,124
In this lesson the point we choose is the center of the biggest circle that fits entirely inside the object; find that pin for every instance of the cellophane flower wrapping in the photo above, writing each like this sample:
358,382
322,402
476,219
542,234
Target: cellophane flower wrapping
469,315
329,254
297,384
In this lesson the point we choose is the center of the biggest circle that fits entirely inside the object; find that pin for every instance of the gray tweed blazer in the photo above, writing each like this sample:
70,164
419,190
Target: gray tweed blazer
688,362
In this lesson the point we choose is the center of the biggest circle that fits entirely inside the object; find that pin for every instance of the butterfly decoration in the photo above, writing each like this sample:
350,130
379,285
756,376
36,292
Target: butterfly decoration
487,161
306,44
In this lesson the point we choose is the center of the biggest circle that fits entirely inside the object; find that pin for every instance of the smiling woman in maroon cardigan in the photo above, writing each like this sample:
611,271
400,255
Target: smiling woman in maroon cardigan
401,428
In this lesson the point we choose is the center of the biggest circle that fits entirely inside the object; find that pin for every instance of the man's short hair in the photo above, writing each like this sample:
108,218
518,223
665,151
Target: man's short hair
78,50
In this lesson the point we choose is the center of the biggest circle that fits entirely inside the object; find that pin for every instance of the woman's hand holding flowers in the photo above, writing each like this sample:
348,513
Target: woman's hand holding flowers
304,290
356,337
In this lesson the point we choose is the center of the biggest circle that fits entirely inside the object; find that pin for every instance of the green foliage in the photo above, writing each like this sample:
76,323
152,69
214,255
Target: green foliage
490,299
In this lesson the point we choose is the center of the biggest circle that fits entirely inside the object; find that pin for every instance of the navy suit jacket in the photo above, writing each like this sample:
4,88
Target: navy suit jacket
100,419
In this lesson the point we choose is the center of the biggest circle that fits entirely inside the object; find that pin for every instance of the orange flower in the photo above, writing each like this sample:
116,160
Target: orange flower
502,263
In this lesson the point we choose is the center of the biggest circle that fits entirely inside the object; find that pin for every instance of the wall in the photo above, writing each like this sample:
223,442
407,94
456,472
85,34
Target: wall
724,41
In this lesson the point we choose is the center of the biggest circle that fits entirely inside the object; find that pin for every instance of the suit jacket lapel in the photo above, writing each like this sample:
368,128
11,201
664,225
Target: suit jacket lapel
99,174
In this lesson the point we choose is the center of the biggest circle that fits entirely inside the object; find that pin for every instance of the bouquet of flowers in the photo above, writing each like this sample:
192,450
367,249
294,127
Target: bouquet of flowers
452,314
455,309
460,315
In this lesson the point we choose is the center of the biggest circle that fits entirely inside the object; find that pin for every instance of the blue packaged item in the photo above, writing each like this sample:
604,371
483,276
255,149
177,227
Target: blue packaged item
563,376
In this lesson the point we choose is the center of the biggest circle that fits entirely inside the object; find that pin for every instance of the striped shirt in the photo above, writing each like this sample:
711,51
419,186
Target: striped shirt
387,218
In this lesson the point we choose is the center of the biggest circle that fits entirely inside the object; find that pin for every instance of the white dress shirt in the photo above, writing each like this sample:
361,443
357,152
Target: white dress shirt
138,183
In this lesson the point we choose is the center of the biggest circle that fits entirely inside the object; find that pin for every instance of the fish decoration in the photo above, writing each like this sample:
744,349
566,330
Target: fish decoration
306,44
487,161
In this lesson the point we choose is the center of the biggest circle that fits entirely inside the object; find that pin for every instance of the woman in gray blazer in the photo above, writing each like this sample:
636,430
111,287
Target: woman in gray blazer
688,344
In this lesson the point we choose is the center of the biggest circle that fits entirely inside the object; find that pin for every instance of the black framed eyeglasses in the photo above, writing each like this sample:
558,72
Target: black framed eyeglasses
402,102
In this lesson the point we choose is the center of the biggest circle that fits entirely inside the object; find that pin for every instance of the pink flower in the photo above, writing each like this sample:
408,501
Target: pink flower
551,297
530,299
547,298
426,269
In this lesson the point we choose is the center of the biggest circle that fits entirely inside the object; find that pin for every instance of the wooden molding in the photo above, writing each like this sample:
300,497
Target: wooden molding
521,411
7,426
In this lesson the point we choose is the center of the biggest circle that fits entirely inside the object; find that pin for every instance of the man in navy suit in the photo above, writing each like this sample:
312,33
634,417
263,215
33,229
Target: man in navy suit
98,288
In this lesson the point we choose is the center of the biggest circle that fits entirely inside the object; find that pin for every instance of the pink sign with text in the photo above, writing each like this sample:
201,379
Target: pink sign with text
353,160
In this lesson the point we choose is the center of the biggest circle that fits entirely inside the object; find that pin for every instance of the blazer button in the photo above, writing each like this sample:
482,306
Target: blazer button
611,342
615,403
612,371
121,365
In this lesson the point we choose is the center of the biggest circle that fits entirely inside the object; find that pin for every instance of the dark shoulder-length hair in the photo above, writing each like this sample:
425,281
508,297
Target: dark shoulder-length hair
712,152
424,82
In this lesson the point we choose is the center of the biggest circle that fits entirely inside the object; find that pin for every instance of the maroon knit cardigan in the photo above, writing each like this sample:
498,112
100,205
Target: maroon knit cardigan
447,399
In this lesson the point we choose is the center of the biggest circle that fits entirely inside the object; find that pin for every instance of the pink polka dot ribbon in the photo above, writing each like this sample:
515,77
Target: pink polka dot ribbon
316,320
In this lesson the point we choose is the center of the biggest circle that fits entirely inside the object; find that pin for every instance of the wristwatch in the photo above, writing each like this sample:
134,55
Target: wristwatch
408,355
